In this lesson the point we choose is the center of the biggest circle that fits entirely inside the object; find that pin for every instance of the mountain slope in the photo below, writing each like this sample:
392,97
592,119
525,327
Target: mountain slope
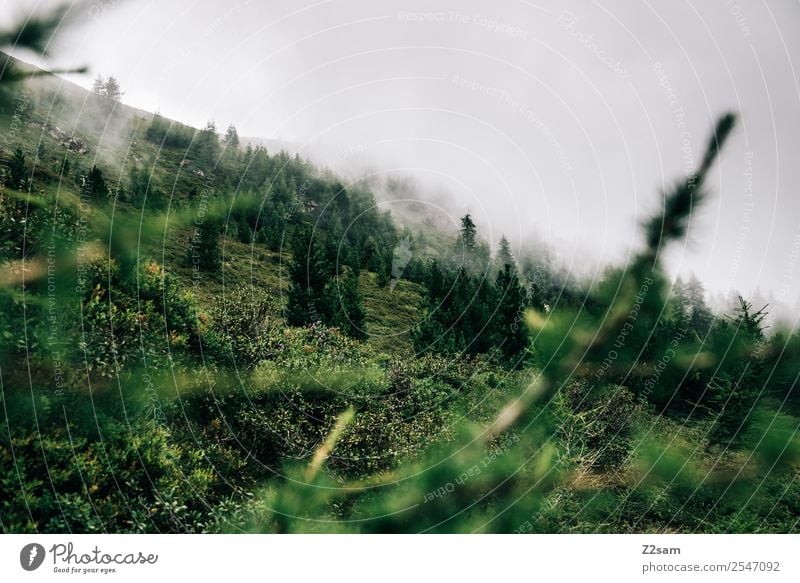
158,168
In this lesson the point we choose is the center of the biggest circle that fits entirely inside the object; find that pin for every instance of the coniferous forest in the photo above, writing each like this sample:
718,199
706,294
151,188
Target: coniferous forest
202,334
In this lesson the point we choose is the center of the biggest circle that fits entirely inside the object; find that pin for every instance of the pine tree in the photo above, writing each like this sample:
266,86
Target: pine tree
157,129
94,185
206,145
206,246
736,384
680,308
17,173
509,330
700,316
749,322
458,313
231,139
468,251
434,281
99,85
504,256
468,232
344,306
111,89
310,272
138,184
372,258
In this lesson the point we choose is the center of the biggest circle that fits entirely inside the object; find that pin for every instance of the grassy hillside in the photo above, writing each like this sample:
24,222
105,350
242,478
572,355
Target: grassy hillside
60,123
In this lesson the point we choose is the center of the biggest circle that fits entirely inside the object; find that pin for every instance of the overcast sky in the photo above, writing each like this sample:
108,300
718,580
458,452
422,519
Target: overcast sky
566,119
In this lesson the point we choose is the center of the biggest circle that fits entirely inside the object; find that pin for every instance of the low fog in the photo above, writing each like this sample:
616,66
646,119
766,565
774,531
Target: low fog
556,122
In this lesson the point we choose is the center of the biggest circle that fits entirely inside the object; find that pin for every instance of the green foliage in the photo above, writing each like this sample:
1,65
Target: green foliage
735,388
468,232
504,256
205,146
509,329
672,222
169,134
99,472
204,249
231,140
318,293
131,319
18,174
138,185
459,312
597,424
93,185
239,331
342,300
311,269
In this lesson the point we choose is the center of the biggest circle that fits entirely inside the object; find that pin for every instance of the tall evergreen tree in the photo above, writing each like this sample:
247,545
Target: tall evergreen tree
231,138
310,272
736,386
112,89
138,184
504,256
343,306
467,232
680,308
700,316
750,322
206,245
99,85
231,143
94,185
206,145
469,251
17,172
435,281
509,330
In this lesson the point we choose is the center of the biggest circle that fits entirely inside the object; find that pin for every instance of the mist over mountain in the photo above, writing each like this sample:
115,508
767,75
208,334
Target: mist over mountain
563,118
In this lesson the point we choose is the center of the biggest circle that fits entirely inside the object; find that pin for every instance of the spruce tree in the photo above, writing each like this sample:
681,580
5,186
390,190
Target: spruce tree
94,185
111,89
344,306
504,256
17,172
204,147
680,308
207,246
99,85
310,272
700,316
468,232
736,385
231,144
231,138
138,184
509,329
